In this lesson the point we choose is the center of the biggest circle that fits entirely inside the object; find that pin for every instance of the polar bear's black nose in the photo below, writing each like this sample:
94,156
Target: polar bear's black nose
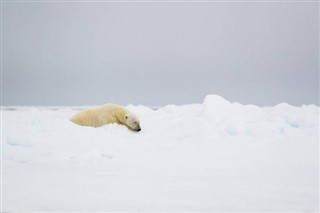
139,130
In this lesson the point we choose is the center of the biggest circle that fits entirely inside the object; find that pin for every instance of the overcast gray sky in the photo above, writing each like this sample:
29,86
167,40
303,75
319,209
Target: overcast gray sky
82,53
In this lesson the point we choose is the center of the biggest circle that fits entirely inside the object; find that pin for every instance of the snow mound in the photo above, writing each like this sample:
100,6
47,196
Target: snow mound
215,106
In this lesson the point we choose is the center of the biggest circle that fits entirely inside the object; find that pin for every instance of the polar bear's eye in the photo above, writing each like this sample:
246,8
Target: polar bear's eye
126,117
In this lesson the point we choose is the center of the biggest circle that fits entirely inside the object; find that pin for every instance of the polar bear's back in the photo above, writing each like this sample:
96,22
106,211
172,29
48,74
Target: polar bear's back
87,117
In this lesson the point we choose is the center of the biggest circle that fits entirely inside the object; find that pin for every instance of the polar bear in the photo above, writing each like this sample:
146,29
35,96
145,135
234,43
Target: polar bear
106,114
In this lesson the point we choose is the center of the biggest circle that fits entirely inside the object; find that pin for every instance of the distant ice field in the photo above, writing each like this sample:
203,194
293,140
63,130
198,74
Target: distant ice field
211,156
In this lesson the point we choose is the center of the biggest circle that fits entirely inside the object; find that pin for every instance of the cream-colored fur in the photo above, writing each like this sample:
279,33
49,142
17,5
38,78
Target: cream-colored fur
106,114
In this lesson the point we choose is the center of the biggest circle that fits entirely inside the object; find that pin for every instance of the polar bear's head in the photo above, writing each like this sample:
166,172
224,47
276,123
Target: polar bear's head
132,122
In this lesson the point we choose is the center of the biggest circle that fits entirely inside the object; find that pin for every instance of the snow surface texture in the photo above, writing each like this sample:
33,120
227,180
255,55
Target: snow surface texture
214,156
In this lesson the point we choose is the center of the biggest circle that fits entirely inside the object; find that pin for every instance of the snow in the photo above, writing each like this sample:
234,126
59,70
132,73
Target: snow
213,156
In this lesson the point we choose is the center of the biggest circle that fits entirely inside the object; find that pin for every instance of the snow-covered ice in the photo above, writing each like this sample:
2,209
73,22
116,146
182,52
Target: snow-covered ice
213,156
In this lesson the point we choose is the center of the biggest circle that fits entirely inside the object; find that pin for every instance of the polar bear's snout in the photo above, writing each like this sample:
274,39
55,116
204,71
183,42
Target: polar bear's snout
136,128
